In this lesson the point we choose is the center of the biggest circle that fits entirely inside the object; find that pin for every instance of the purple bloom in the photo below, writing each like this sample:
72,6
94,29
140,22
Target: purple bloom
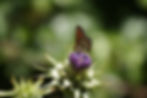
80,60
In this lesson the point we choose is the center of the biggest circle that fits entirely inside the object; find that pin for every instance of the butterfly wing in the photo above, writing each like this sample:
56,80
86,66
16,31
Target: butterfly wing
83,43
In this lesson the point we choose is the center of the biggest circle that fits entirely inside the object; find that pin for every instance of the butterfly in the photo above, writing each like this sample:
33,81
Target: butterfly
82,41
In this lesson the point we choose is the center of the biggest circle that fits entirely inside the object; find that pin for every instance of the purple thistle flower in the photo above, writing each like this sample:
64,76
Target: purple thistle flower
80,60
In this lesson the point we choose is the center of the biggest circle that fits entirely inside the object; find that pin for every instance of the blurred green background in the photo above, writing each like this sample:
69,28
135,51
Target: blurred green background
31,28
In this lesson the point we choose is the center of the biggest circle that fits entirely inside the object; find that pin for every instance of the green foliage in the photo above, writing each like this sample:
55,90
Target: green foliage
31,28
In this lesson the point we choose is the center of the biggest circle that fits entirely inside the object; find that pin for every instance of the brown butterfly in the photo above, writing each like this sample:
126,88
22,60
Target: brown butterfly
82,41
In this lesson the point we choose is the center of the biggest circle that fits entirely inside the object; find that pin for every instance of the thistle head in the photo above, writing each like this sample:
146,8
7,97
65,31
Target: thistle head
80,60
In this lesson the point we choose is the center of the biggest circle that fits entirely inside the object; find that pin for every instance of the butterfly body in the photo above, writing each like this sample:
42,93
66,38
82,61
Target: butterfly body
83,42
